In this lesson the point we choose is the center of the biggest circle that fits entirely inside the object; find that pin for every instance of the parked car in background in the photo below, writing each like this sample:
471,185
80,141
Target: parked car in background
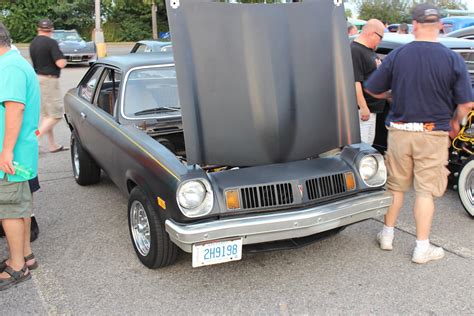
466,33
454,23
75,49
393,28
151,46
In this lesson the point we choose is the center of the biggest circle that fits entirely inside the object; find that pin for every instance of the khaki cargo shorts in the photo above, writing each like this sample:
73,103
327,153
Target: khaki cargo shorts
418,158
51,102
15,199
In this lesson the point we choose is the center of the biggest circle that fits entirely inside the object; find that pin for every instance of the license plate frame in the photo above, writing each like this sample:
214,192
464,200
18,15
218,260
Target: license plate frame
217,251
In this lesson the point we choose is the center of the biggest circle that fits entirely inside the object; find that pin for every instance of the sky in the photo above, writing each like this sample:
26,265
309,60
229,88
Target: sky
470,5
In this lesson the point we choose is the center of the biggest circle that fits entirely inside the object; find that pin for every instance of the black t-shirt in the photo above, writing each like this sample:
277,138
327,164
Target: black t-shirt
44,52
364,63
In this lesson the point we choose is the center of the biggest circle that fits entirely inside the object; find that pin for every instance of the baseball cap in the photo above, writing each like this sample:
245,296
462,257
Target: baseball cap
45,24
426,13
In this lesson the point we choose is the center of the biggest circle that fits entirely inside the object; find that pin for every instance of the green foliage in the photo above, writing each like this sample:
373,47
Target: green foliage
397,11
348,13
22,16
390,11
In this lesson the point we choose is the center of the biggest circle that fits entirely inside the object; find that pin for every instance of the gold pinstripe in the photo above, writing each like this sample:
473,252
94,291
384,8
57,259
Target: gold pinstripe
127,137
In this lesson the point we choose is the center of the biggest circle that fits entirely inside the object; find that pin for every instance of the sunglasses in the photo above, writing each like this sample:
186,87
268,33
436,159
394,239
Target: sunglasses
381,36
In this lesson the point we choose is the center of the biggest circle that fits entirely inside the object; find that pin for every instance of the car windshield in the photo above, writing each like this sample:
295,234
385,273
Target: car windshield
151,91
66,36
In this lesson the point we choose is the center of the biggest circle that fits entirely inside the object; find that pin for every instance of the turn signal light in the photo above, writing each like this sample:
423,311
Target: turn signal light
232,199
350,181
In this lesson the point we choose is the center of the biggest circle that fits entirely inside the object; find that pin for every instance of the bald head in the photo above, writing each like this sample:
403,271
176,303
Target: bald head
372,33
373,25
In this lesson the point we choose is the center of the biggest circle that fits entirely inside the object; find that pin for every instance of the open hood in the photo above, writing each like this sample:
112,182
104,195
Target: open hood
263,83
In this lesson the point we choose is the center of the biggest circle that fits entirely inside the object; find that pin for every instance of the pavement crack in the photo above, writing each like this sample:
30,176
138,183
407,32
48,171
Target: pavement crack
447,245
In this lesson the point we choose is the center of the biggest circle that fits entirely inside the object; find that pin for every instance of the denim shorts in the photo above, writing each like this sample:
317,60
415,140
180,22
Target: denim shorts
15,199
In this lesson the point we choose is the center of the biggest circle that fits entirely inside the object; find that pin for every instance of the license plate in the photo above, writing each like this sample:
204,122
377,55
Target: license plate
76,58
217,252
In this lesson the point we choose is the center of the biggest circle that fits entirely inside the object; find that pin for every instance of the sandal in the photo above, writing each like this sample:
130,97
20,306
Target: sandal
15,277
31,256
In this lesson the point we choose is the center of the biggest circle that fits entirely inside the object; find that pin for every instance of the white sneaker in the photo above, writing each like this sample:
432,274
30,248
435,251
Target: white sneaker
385,242
432,253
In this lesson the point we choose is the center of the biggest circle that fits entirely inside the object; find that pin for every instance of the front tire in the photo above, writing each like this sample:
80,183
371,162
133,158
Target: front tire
147,231
466,187
85,169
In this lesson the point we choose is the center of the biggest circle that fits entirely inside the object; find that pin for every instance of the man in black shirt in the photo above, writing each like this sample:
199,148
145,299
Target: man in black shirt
48,60
366,61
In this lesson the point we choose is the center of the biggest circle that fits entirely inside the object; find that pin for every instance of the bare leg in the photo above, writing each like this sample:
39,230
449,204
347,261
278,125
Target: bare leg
423,212
46,128
27,246
394,209
15,232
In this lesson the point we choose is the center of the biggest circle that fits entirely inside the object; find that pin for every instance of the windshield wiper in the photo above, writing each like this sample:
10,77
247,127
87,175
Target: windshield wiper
161,109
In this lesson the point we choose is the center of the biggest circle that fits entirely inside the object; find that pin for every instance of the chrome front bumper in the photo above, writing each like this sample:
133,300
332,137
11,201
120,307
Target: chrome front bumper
258,228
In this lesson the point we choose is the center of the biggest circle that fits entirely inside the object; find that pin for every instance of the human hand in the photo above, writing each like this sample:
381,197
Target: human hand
6,162
378,62
455,127
364,114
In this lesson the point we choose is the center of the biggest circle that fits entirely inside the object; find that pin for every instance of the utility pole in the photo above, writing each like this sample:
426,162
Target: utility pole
154,23
98,34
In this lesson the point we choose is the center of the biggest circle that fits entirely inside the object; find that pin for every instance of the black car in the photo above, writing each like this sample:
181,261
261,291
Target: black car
75,49
243,155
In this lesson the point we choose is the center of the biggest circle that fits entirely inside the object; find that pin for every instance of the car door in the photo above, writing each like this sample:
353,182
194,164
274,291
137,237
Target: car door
100,124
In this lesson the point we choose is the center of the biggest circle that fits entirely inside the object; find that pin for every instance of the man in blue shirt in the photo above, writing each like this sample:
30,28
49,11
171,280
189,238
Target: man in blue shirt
428,82
19,116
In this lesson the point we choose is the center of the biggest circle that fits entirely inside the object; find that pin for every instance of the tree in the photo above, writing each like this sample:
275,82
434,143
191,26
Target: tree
390,11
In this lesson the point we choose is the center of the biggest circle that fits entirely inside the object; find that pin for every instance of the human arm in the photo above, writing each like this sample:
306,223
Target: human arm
61,63
361,102
460,115
58,56
13,120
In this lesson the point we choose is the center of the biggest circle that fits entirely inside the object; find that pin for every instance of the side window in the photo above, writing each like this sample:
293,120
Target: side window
89,83
108,91
141,48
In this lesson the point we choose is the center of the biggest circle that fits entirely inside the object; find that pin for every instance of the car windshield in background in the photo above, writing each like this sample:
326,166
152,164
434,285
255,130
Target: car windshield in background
66,36
151,91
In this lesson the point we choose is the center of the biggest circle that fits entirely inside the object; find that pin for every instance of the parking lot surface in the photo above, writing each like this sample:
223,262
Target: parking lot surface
88,266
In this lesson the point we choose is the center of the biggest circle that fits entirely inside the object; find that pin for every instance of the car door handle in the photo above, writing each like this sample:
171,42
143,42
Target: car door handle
83,115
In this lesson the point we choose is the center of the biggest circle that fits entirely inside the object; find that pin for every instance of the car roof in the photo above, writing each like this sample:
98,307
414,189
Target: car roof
129,61
462,32
457,18
154,43
393,40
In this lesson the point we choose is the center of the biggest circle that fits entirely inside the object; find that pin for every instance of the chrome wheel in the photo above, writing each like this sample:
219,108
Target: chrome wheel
75,156
469,187
466,187
140,228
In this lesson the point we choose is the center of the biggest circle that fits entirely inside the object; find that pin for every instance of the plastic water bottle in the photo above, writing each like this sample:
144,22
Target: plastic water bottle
22,171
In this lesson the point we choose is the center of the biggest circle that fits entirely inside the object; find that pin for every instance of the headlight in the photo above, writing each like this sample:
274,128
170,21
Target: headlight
195,198
372,170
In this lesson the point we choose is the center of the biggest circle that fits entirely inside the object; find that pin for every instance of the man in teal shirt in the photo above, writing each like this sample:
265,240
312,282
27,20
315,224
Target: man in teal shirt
19,116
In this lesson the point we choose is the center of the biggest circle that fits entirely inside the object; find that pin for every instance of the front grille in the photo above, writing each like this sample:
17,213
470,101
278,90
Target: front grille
267,195
328,186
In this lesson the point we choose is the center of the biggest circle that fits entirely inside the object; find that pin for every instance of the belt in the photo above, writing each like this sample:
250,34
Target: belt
413,127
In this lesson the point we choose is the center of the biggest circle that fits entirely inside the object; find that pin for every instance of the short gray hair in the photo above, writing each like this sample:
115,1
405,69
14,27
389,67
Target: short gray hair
5,39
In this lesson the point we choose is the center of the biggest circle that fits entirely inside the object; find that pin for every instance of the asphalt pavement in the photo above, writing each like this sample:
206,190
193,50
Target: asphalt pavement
88,265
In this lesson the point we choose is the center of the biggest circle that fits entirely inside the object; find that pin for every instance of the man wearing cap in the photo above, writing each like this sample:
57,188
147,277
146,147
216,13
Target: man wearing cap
48,60
431,94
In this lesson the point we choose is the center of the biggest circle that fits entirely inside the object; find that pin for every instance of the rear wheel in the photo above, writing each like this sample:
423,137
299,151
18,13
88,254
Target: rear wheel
147,231
466,187
85,169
